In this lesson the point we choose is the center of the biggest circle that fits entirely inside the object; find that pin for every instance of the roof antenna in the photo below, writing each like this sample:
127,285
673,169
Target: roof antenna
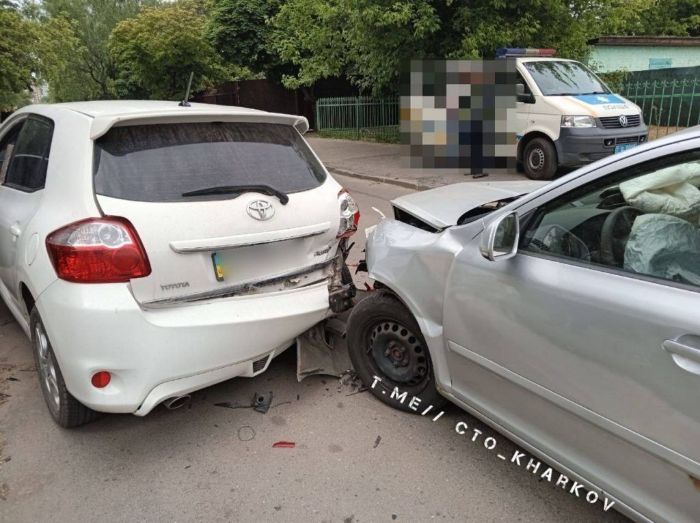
185,103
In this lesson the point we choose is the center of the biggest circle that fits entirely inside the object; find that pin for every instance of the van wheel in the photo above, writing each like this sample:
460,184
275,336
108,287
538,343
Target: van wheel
64,408
540,159
385,342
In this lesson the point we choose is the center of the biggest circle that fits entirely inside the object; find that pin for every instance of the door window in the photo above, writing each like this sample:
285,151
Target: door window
7,145
643,220
27,169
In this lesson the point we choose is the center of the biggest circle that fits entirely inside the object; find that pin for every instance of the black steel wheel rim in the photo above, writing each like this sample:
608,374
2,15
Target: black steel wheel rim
398,353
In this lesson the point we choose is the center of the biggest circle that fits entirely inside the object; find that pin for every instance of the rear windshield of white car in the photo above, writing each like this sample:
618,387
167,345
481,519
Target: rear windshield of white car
165,162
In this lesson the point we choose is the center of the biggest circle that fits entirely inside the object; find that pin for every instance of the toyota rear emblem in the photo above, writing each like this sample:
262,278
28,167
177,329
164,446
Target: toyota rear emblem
623,120
261,210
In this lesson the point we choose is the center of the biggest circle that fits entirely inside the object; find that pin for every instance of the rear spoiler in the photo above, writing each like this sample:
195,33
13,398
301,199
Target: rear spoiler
102,124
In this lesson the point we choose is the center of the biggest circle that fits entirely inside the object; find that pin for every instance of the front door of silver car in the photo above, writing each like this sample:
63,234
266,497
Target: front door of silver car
587,339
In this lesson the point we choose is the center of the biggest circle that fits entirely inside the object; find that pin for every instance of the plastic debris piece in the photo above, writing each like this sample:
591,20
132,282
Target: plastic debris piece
262,401
283,445
377,441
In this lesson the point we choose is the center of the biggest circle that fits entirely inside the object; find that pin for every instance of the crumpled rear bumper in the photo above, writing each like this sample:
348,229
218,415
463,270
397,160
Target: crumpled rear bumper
155,354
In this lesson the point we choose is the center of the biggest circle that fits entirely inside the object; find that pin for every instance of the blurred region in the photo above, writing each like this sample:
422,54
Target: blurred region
459,114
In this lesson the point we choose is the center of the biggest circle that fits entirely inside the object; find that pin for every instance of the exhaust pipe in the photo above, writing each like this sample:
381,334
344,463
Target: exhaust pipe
177,401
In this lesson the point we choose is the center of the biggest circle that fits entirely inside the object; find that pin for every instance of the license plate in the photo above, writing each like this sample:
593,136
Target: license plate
624,147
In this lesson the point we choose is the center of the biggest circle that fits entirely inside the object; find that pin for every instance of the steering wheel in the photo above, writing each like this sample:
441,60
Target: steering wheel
614,234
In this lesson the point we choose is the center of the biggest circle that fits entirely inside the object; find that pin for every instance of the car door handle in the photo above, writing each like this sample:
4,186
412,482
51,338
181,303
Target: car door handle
682,349
685,352
15,230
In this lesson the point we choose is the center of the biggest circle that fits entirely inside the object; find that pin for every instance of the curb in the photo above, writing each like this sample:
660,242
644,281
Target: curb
380,179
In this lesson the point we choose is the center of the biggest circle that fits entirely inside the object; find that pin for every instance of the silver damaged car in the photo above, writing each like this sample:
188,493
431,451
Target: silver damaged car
565,315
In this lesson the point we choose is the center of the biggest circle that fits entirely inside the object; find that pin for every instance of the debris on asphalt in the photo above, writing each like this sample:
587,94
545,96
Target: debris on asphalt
229,405
246,433
480,175
262,402
283,445
350,381
377,441
12,378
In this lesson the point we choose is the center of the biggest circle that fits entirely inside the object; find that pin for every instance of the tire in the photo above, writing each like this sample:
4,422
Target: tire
377,324
64,408
540,159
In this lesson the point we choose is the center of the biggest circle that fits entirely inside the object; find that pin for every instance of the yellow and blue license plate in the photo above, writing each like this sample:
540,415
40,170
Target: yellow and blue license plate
624,147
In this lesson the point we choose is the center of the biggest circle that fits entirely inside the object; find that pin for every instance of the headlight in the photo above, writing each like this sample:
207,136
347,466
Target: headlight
577,121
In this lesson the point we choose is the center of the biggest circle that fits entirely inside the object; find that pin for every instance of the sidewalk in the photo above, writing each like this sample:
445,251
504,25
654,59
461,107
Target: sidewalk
386,163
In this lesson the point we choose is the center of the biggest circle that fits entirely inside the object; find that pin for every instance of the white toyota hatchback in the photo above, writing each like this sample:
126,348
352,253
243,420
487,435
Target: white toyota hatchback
150,250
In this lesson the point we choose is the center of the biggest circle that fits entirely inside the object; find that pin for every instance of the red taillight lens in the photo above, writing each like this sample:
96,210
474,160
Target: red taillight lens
98,250
349,215
101,379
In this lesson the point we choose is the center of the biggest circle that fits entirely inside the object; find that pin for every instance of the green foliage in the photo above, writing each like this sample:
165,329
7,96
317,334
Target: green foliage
155,52
366,40
84,69
369,40
18,58
239,32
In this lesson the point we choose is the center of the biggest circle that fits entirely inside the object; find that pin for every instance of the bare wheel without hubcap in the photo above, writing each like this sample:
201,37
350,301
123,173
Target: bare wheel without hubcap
398,353
536,159
47,369
389,353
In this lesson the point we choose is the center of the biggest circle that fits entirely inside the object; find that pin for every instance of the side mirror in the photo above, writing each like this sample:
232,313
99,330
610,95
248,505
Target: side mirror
521,96
500,238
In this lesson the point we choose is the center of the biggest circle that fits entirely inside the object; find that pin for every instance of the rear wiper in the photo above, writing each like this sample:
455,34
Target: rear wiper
238,190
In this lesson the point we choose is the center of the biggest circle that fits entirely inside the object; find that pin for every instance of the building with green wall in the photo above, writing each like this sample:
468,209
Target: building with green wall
642,53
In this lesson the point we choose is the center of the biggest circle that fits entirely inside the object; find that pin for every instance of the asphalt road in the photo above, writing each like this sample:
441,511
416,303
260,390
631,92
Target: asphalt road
355,459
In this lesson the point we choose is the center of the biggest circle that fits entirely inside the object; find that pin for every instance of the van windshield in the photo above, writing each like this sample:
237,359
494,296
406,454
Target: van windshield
561,78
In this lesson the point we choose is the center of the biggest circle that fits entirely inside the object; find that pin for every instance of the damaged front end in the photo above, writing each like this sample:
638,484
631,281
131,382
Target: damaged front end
319,349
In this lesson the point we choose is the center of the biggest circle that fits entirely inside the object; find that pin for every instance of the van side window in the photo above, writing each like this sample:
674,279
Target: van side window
27,170
7,146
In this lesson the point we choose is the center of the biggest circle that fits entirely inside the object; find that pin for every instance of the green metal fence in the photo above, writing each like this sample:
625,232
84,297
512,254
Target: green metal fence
358,118
667,105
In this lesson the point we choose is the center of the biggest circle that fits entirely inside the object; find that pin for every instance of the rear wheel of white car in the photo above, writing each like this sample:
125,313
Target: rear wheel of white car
540,159
385,342
64,408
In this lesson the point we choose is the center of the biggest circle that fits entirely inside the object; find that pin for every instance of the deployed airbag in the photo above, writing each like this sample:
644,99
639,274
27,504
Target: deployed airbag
672,190
664,246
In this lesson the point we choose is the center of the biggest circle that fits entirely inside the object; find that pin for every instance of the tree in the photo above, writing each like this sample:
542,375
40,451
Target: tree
85,69
369,40
240,33
18,58
365,40
155,52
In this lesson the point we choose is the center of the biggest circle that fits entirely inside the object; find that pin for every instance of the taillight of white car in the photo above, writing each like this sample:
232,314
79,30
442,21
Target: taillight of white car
349,215
98,250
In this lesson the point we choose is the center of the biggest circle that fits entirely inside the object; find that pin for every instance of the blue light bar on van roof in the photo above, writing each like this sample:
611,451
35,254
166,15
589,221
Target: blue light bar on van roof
505,52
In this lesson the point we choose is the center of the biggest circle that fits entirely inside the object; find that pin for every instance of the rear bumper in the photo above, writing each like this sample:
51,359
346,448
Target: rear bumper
585,145
160,353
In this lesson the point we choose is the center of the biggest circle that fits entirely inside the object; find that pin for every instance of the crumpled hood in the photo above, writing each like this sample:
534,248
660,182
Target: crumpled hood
443,206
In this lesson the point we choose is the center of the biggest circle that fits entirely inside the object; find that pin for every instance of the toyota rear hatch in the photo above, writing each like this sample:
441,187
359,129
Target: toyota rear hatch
221,208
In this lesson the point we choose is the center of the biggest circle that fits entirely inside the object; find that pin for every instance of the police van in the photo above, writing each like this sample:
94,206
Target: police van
566,115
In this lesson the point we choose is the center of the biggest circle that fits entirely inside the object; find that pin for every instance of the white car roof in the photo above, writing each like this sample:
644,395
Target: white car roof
107,113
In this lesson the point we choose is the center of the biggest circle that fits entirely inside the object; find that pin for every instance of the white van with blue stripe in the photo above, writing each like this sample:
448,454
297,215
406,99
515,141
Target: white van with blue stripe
567,116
